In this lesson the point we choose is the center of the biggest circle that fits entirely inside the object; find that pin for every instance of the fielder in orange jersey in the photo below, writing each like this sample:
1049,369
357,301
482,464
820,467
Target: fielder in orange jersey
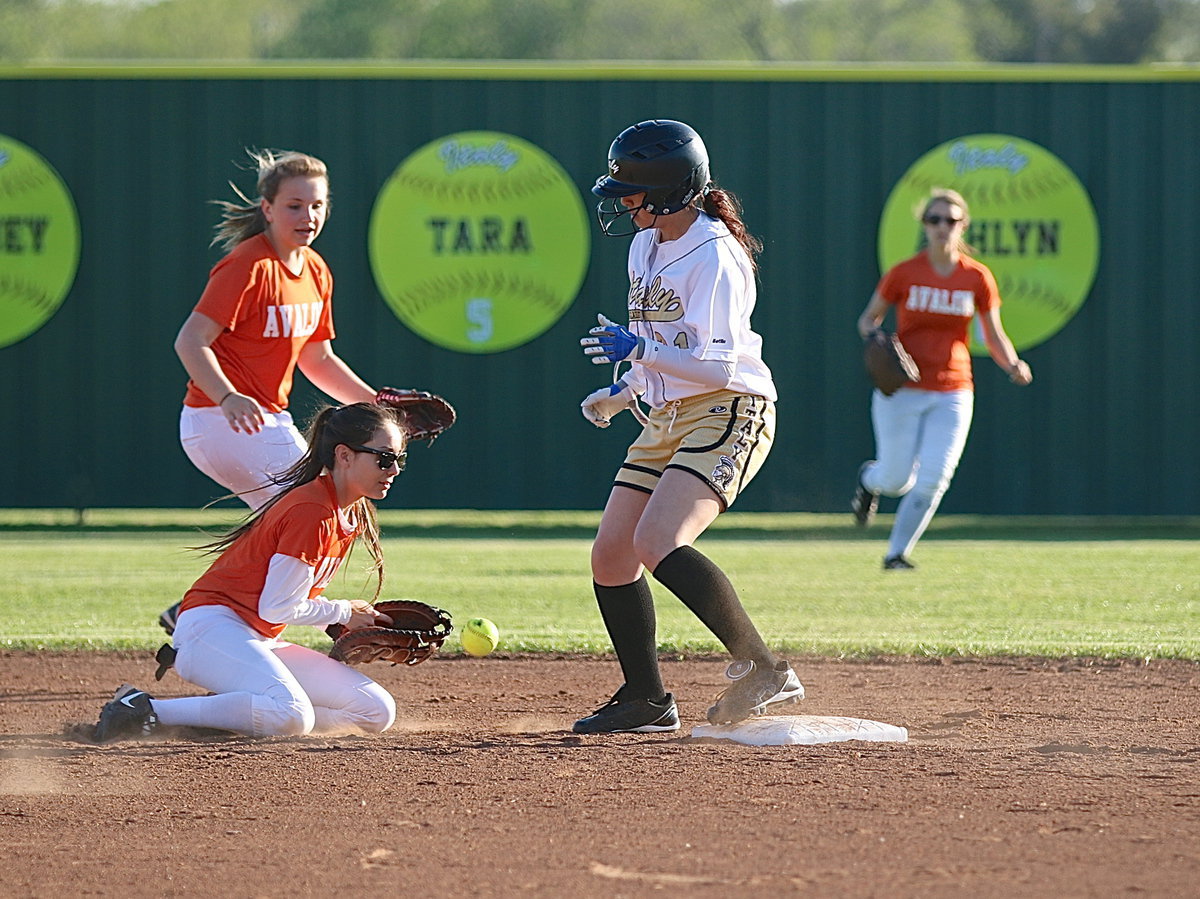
921,430
271,572
267,310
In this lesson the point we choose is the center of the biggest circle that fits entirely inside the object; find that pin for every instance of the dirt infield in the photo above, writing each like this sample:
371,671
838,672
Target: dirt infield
1020,778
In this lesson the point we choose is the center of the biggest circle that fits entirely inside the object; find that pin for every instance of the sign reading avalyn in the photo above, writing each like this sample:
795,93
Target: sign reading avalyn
479,242
39,241
1032,224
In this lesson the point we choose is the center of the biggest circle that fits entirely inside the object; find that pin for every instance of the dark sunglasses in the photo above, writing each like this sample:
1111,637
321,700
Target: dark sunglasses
386,458
938,219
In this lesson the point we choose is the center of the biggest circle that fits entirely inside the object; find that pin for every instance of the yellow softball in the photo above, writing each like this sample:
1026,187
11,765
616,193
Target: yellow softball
479,637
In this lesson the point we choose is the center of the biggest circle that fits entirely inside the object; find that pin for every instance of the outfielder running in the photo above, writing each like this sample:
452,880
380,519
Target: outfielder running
270,573
698,364
921,429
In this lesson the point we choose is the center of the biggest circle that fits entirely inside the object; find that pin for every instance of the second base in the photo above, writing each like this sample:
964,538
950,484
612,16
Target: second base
785,730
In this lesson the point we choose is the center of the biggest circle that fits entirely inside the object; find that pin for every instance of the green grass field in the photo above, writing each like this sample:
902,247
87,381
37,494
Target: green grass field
1100,587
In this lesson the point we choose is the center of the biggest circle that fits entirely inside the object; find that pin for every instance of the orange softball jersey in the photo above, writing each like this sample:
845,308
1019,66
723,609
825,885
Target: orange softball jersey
306,525
933,313
268,314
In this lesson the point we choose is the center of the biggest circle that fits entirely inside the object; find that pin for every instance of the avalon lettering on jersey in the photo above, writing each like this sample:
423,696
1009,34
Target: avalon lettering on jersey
938,299
23,235
489,234
293,320
324,573
1017,237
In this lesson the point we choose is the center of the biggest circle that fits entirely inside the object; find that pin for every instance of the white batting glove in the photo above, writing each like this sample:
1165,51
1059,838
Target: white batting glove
599,407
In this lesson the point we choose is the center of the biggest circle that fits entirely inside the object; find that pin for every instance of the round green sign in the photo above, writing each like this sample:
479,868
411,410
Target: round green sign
479,242
39,241
1032,224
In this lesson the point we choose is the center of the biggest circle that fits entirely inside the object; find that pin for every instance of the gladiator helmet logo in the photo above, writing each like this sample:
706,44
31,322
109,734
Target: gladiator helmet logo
722,474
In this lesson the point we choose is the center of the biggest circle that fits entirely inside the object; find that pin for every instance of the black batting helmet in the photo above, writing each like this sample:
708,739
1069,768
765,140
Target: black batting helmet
663,158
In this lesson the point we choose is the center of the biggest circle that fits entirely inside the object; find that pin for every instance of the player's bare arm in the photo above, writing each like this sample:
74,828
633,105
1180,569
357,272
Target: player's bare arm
1002,350
193,346
872,317
331,375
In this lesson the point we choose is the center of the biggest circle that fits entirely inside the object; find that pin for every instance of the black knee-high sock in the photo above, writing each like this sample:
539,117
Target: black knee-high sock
628,613
704,588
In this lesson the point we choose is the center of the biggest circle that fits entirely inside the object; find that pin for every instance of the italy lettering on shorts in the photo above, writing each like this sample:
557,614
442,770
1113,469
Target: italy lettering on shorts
727,465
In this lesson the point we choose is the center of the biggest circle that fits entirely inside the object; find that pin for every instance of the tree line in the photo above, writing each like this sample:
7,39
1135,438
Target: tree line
750,31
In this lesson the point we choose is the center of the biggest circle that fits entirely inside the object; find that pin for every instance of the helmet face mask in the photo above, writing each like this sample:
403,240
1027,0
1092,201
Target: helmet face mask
662,158
610,212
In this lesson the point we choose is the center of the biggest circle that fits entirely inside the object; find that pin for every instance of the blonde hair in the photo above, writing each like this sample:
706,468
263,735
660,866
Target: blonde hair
241,221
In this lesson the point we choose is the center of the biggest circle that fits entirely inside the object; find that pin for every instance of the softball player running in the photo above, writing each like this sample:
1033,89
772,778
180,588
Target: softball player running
266,310
270,573
697,363
920,431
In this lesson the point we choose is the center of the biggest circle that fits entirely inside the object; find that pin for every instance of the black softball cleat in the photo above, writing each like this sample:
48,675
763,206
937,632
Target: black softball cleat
169,618
631,716
128,714
864,503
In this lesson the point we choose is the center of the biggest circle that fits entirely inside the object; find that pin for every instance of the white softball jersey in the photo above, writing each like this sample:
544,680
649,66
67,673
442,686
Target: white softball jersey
696,293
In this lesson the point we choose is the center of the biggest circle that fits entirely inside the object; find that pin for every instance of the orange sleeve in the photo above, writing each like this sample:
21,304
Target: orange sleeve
306,534
229,282
989,294
892,285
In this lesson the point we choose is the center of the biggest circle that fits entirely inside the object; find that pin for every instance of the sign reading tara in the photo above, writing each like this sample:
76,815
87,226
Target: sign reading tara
479,242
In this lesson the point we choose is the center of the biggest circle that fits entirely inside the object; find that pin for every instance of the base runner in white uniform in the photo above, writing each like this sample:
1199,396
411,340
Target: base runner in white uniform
698,365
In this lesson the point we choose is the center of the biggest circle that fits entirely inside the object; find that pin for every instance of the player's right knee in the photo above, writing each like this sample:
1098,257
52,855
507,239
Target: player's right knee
375,709
895,483
610,566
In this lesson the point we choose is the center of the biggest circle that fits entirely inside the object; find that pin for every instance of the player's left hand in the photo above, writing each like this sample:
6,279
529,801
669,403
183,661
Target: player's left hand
363,614
415,631
1021,374
609,342
600,406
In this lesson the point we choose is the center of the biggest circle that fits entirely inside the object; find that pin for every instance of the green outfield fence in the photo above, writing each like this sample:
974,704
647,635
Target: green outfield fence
1110,425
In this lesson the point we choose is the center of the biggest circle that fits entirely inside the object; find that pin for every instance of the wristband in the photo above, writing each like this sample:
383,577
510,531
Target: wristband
226,396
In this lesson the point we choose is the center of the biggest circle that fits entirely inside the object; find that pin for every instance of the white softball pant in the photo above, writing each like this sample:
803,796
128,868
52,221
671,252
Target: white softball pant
919,439
267,687
240,462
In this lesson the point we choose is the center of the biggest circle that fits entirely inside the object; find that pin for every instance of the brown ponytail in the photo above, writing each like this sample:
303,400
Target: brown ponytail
722,204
